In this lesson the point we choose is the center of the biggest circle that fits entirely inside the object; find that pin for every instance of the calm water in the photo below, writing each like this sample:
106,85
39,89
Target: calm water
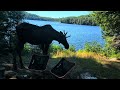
80,34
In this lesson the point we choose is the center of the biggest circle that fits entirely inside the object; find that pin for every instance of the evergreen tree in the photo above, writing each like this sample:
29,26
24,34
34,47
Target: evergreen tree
110,23
81,20
8,21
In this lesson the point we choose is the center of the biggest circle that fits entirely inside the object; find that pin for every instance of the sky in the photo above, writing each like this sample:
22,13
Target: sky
59,14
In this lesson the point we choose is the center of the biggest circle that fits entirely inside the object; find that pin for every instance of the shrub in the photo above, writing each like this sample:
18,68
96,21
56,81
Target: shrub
55,48
72,48
93,47
27,48
109,51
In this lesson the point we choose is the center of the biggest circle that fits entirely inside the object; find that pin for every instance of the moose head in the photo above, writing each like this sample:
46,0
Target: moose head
63,39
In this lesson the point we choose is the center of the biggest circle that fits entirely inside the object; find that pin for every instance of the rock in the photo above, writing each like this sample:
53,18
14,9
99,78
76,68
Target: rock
9,74
8,66
14,77
2,70
22,76
87,75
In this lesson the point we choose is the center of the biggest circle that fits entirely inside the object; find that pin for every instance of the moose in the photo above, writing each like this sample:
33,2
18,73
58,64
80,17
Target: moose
37,35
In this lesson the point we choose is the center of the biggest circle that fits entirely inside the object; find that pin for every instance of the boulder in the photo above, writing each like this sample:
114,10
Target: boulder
22,77
9,74
87,75
8,66
2,70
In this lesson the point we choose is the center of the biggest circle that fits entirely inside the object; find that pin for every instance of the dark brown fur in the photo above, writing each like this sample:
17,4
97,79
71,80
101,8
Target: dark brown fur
36,35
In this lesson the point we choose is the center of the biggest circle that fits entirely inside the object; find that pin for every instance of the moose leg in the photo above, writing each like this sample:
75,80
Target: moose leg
46,47
21,63
42,47
19,50
14,60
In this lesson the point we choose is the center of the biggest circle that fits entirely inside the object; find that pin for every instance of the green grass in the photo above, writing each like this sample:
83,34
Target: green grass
85,61
91,62
95,47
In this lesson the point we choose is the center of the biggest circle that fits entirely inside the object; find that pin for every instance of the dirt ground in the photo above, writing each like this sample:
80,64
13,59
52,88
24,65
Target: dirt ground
112,64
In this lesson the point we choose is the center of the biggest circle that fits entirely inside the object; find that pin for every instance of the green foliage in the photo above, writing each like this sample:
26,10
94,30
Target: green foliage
8,21
93,47
82,20
109,21
72,48
27,48
107,50
55,48
36,17
117,55
89,47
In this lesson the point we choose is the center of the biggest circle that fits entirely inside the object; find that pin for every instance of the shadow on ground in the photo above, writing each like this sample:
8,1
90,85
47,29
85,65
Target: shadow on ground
82,65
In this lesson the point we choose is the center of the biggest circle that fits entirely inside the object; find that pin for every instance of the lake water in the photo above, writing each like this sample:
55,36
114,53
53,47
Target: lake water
80,34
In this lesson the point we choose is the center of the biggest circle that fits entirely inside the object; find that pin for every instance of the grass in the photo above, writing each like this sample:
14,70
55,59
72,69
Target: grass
91,62
87,60
96,64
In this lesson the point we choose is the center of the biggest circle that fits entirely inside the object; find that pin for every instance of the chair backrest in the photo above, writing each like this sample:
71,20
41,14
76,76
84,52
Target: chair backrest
38,62
62,68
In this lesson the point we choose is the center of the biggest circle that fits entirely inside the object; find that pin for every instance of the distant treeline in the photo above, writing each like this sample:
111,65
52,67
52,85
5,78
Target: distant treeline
81,20
36,17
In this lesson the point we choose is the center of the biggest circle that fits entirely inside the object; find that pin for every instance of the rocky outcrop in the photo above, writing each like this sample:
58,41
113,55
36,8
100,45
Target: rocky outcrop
9,74
87,75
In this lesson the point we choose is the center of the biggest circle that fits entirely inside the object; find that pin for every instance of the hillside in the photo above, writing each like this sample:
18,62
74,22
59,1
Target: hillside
81,20
36,17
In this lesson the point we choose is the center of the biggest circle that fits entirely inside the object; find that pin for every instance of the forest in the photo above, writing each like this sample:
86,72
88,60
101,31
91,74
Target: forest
36,17
94,60
80,20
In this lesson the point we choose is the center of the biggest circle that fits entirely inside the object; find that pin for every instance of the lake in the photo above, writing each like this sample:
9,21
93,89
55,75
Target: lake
80,34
